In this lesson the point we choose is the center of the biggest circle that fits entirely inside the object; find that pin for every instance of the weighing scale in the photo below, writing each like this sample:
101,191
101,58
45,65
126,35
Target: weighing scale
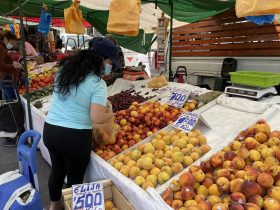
255,93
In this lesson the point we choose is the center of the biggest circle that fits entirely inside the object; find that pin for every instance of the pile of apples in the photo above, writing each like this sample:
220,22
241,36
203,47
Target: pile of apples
136,123
243,176
167,154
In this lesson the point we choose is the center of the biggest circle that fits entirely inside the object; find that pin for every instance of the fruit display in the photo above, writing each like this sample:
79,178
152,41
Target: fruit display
243,176
40,93
125,98
166,155
158,82
136,123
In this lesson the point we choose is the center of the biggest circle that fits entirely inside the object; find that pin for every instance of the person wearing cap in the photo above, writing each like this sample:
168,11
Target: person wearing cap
79,100
120,53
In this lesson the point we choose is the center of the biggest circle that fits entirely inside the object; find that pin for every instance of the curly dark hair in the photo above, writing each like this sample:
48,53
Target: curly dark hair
75,69
9,35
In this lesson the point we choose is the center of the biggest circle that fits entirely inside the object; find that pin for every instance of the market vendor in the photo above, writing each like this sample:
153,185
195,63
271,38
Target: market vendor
7,66
12,43
120,53
79,100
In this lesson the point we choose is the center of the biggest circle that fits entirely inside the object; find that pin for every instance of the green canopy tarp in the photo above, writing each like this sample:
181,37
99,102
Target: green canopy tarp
184,10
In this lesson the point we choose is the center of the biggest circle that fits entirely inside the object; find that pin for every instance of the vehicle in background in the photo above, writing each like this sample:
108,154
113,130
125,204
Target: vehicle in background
73,41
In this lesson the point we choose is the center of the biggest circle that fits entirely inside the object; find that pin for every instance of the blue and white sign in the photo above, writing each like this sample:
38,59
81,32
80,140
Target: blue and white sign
186,121
178,97
88,196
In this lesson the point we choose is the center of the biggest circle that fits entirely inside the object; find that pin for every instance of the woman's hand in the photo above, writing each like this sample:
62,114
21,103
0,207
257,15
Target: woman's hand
100,114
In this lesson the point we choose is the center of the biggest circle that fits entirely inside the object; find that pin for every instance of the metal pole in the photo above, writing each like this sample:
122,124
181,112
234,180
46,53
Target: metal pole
170,40
25,65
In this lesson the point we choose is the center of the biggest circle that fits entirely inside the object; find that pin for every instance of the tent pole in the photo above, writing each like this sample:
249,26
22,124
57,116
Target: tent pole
170,40
25,65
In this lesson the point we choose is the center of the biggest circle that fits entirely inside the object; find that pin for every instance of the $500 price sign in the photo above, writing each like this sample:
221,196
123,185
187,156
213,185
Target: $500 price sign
88,196
178,97
186,121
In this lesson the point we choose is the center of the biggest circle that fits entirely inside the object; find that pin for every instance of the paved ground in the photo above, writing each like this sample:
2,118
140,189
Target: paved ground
8,162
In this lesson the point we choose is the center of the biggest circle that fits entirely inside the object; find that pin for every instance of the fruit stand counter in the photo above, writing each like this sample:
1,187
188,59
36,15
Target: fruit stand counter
233,112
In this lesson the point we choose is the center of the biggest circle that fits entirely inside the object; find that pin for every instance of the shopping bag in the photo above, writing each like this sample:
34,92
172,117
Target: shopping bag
124,17
45,22
106,133
257,7
74,20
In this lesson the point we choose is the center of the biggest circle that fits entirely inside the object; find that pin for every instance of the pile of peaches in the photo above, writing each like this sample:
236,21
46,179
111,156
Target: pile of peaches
157,161
243,176
139,121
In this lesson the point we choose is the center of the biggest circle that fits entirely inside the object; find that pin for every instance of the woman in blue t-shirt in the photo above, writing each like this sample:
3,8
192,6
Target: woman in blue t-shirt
78,101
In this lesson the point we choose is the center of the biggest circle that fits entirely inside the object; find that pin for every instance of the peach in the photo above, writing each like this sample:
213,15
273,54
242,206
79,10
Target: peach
238,163
206,166
251,143
214,190
190,203
205,148
139,180
271,161
254,155
181,143
207,182
152,179
167,196
256,199
143,173
227,164
176,204
147,184
263,127
251,206
261,147
229,155
187,193
146,163
235,206
167,169
261,137
177,195
216,160
195,156
223,184
159,163
240,174
236,185
187,179
238,198
177,168
168,154
220,206
251,174
250,188
274,192
163,177
199,198
204,205
273,141
277,154
226,199
265,180
118,165
175,186
202,140
199,175
226,148
202,190
187,161
133,172
257,165
214,199
223,173
271,204
155,171
243,153
177,157
235,145
274,134
159,154
194,168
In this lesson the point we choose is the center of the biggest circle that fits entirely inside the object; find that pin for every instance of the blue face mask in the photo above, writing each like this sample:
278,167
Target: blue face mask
107,69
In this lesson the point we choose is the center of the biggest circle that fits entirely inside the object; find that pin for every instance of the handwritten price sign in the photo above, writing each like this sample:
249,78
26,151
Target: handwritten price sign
178,97
186,122
88,196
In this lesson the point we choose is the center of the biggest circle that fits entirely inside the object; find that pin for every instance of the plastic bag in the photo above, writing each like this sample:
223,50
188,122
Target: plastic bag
45,22
124,17
74,20
256,7
260,20
106,133
158,82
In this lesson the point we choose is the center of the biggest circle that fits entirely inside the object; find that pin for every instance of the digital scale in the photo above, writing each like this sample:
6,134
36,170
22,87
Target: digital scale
255,93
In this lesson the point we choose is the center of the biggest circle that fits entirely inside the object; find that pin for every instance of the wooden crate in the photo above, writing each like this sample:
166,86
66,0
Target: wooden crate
110,193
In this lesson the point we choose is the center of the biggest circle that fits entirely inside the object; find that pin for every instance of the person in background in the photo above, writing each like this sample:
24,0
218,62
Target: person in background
79,100
12,43
7,66
59,45
120,53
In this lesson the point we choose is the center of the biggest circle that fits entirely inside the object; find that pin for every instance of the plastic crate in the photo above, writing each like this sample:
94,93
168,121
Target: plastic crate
255,79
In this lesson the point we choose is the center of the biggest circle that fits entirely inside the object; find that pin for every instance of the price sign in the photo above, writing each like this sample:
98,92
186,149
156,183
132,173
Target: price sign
186,121
178,97
88,196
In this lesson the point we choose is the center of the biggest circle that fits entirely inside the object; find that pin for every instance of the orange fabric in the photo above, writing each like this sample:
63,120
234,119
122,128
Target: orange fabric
74,20
17,30
124,17
257,7
7,27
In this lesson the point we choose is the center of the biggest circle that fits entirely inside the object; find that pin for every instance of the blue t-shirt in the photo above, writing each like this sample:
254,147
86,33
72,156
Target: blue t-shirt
74,110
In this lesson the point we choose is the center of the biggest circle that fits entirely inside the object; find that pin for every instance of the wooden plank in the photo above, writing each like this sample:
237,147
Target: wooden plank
119,200
241,32
270,37
242,46
272,53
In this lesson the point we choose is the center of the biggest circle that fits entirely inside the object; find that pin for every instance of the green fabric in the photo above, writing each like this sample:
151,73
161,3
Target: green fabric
4,21
184,10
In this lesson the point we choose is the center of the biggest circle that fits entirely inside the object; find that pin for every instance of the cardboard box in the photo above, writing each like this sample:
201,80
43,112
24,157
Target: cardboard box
110,193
